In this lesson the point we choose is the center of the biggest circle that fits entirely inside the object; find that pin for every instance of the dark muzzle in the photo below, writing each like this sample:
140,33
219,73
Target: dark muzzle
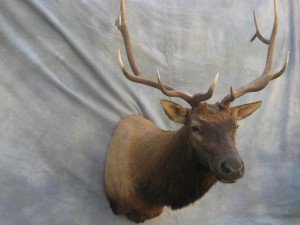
230,169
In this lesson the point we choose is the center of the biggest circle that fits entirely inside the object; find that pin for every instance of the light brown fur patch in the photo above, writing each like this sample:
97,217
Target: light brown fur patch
211,114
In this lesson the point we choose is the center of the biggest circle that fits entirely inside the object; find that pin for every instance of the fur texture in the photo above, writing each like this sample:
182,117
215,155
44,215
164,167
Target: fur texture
141,177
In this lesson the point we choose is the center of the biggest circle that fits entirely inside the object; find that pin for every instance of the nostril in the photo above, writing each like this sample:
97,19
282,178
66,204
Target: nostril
224,168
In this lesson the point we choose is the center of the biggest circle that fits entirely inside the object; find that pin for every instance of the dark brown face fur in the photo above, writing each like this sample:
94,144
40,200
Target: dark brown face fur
212,137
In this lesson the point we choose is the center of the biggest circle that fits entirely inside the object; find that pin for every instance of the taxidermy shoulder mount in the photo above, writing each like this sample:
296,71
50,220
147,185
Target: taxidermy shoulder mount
147,168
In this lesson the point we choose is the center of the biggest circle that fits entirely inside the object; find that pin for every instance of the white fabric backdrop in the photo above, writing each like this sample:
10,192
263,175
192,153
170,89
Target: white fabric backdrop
62,94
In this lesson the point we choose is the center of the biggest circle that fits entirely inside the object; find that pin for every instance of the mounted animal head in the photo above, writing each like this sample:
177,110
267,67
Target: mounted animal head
211,128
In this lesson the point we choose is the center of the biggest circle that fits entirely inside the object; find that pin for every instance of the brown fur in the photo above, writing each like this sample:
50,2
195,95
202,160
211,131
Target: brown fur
148,168
212,113
176,178
164,172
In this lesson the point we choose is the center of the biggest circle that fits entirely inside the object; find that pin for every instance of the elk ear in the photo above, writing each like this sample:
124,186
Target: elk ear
174,111
242,111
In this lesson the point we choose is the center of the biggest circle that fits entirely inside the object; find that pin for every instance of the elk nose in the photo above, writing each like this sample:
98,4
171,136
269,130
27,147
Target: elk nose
232,168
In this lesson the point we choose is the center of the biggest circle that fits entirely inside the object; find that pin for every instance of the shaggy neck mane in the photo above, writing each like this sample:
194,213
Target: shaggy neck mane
172,176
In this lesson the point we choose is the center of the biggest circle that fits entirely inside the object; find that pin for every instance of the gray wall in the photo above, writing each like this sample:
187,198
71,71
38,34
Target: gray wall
62,94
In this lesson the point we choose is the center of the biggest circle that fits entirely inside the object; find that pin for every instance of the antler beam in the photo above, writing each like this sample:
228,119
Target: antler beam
138,77
267,75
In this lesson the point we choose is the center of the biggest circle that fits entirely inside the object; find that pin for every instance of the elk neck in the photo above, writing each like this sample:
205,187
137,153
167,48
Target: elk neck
171,174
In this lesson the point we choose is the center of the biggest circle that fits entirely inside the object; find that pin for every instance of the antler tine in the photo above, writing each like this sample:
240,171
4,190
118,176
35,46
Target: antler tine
138,77
173,93
258,33
121,23
192,100
200,97
283,69
267,75
271,44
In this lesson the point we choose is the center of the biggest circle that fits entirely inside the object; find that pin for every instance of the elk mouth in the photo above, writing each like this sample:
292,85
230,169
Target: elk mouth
227,181
229,177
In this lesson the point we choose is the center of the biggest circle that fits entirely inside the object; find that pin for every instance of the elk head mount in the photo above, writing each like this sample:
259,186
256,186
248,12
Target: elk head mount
147,168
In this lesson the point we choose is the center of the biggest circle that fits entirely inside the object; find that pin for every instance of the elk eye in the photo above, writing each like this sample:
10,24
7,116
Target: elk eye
237,126
195,129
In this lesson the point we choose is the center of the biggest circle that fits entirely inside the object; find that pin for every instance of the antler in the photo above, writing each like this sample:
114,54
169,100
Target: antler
267,75
138,77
